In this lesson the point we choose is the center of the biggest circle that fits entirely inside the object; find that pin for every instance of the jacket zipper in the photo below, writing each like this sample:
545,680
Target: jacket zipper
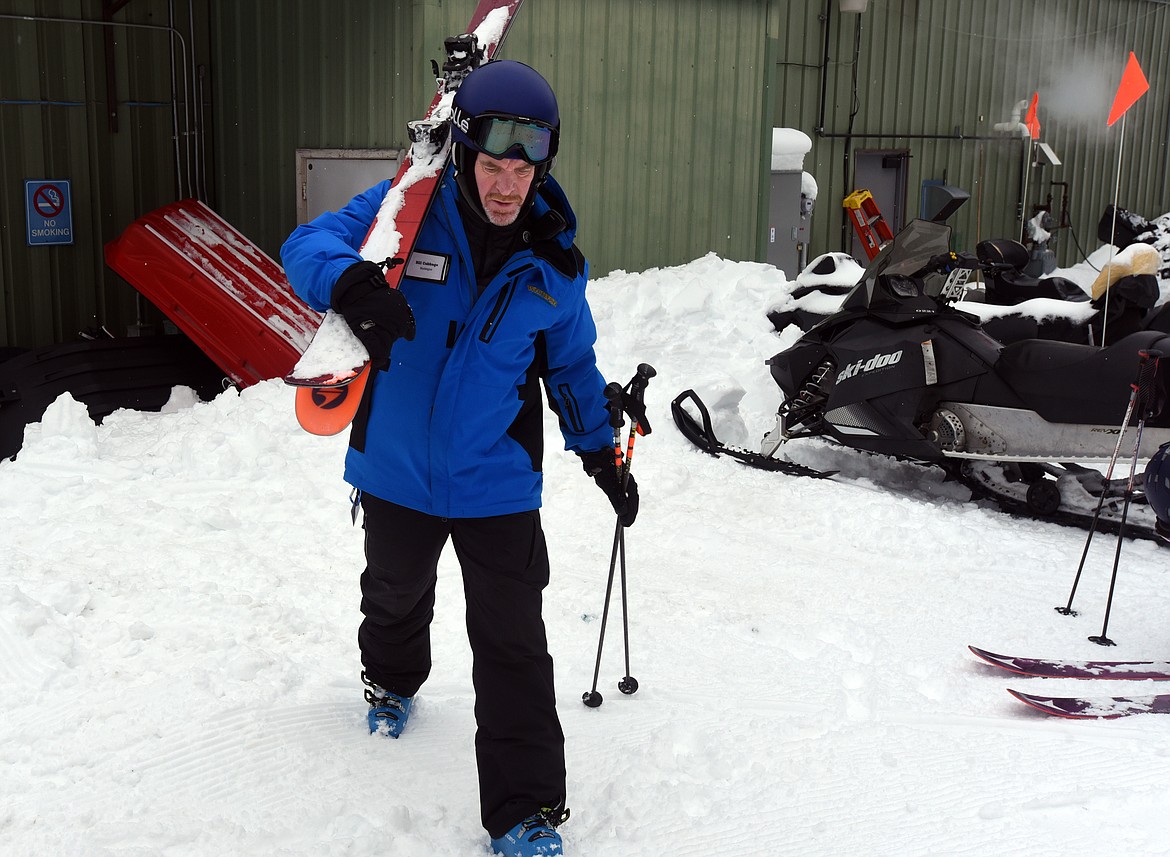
503,301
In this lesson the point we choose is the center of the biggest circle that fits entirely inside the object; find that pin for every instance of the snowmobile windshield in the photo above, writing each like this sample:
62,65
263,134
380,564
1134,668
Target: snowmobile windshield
912,249
899,261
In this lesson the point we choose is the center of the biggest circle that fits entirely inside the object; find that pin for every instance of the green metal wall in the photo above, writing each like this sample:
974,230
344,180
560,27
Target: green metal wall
292,74
667,108
661,104
954,68
55,124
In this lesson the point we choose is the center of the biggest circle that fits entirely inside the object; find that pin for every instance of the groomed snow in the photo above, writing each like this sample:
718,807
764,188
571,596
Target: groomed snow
179,672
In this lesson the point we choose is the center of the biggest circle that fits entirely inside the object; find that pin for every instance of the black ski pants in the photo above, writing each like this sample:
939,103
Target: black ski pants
519,745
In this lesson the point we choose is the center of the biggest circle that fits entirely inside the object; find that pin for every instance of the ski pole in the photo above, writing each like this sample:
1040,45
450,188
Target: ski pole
619,400
1146,410
1135,389
636,406
613,397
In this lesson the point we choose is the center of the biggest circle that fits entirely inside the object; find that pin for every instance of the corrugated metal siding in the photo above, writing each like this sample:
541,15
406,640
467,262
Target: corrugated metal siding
54,125
660,105
948,67
295,74
667,106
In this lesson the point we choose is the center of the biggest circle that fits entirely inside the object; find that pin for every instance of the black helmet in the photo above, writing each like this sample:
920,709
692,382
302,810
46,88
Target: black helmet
1157,488
504,109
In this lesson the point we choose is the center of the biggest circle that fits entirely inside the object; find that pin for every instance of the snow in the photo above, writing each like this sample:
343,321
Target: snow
1038,309
830,269
179,671
333,345
808,185
789,146
1036,230
383,241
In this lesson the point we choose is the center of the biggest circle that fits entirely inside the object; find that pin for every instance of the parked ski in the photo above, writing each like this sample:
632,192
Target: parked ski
332,373
1100,708
1058,668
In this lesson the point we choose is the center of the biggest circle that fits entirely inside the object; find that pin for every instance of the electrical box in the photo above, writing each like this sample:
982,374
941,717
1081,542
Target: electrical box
329,178
790,204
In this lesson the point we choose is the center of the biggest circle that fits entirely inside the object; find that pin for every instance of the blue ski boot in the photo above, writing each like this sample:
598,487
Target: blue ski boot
388,711
535,836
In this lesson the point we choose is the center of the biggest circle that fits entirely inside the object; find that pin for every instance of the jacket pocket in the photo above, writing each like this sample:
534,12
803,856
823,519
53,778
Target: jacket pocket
503,301
570,410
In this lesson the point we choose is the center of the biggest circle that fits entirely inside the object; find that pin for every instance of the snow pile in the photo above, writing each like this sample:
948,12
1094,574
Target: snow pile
789,146
179,671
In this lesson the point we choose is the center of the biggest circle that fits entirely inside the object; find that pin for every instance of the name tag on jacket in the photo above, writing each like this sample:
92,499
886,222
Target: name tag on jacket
432,267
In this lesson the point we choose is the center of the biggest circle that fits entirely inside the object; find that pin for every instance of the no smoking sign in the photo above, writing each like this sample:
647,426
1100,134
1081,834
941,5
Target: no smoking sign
48,211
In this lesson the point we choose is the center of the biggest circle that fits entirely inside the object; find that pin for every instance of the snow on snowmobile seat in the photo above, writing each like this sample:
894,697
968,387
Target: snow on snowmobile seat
1069,383
218,287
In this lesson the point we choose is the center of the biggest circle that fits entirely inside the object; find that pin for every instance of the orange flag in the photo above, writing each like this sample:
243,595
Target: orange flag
1133,86
1030,120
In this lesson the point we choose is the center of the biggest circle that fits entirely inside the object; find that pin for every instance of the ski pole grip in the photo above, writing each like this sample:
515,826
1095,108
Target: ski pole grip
613,404
1147,401
641,378
635,402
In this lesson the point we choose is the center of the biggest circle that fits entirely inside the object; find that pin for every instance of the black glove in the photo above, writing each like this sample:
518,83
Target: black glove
602,466
377,314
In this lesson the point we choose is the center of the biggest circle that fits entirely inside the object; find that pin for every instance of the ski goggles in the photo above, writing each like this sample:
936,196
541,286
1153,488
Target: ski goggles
500,136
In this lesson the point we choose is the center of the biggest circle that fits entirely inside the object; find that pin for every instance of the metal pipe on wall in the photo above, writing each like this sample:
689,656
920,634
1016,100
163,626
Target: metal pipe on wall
175,34
850,135
175,99
197,140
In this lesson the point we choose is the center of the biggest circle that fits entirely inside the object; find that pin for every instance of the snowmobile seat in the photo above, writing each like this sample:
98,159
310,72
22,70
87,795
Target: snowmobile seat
1005,282
1069,383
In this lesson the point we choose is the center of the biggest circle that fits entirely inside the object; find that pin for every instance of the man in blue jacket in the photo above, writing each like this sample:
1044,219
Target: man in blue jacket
449,443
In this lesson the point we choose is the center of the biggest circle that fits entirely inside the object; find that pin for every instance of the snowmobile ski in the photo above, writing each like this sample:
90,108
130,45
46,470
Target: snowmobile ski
335,358
703,436
1065,494
1059,668
1099,708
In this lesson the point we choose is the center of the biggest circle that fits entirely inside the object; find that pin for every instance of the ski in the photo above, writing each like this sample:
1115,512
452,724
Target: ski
704,438
1060,668
1100,708
332,374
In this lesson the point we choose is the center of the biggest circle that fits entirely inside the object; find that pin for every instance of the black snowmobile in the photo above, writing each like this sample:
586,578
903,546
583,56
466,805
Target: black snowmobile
900,372
1131,303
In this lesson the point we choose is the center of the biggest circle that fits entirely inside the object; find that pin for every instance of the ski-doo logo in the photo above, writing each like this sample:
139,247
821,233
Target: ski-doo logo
878,361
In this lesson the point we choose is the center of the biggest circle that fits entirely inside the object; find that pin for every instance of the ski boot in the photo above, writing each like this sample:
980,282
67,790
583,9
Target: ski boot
388,711
535,836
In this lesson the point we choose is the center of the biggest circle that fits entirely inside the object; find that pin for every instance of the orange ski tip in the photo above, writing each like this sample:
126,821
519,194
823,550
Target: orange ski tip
327,411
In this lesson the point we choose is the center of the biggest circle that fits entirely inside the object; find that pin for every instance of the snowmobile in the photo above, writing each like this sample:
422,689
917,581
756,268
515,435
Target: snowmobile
899,371
1069,313
1124,299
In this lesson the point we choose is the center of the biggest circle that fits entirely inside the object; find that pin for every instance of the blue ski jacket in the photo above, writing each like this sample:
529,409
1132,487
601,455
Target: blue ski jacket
455,426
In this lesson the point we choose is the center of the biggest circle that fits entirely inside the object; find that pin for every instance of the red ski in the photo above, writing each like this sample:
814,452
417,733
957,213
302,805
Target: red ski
332,373
1060,668
1100,708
